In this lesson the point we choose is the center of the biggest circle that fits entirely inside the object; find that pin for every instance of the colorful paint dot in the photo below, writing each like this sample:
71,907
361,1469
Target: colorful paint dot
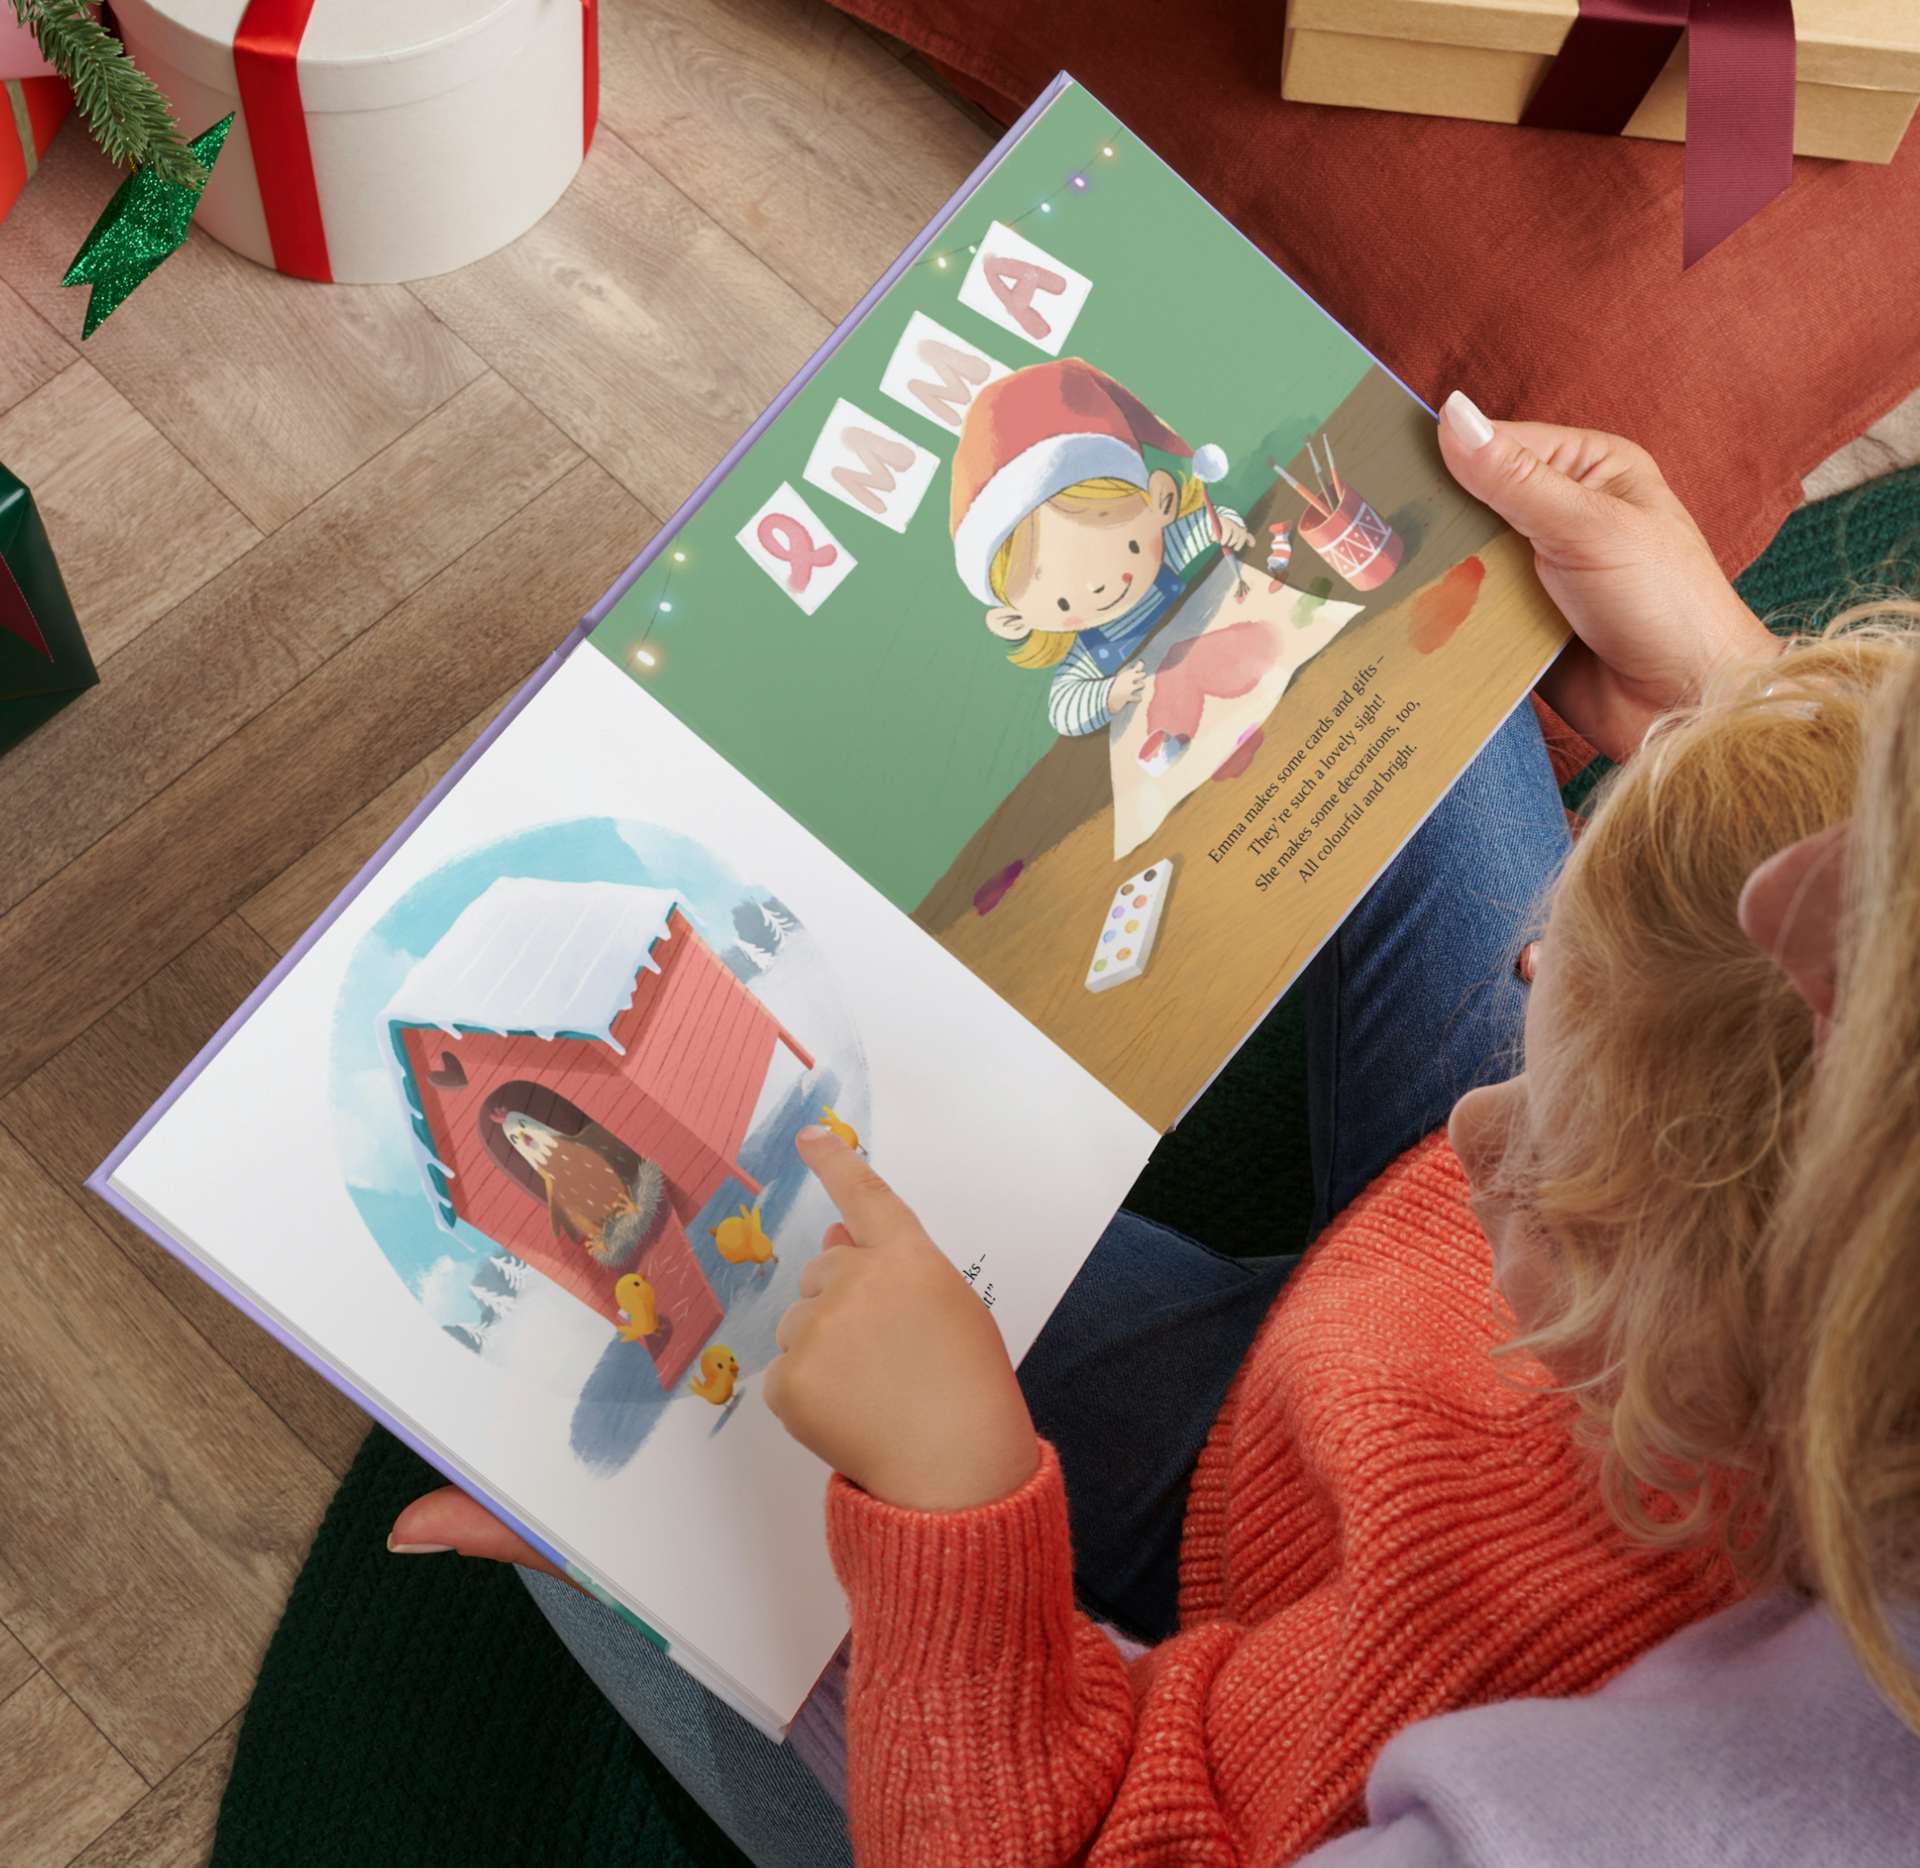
1139,901
1133,927
1099,966
1107,936
1125,953
1117,913
989,895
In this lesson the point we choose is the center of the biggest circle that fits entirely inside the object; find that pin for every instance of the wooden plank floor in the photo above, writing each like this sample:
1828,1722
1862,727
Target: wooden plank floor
316,536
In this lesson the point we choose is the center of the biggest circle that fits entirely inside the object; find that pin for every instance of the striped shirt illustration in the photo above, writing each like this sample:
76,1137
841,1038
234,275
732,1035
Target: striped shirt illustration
1077,700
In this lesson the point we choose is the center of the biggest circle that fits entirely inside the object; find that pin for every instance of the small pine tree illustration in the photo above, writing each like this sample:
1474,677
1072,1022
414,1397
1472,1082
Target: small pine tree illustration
761,927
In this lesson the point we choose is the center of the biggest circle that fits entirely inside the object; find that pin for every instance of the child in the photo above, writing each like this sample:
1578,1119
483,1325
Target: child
1339,1515
1384,1523
1740,1329
1075,543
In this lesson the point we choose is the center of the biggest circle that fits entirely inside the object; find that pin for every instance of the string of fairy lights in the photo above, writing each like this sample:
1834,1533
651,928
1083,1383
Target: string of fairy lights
1078,181
645,658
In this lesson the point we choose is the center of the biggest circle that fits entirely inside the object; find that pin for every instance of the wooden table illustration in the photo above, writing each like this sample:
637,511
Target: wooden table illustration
1023,903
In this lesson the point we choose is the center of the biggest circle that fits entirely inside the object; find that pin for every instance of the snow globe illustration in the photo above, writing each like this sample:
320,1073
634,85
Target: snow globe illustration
567,1073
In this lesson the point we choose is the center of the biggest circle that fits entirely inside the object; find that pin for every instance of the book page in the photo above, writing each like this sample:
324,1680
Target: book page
1103,603
512,1148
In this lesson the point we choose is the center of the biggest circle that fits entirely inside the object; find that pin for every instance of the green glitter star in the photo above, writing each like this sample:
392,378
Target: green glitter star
145,221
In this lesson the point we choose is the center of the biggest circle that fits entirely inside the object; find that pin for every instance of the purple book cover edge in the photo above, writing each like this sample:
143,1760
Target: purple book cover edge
98,1181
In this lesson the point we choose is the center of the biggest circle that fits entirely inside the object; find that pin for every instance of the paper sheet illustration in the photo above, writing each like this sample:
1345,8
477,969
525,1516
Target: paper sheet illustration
1215,672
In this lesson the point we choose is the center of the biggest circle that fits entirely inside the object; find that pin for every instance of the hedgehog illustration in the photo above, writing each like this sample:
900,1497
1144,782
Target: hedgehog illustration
588,1201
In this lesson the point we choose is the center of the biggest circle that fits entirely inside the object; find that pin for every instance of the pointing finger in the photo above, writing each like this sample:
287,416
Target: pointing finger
873,1211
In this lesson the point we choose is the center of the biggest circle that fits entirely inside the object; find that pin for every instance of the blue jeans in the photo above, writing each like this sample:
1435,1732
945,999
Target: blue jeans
1411,1003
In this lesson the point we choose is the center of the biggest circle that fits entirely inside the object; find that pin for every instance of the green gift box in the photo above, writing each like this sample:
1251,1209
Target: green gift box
43,656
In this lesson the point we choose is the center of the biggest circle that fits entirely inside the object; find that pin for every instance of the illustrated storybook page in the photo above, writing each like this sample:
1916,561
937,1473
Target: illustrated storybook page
1103,603
510,1149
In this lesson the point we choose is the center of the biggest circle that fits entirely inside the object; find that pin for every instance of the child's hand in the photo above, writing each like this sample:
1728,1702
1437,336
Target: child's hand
1233,532
1008,625
1126,687
893,1371
1652,611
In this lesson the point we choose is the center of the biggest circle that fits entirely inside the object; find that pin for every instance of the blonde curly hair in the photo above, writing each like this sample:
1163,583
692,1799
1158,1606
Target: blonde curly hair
1730,1228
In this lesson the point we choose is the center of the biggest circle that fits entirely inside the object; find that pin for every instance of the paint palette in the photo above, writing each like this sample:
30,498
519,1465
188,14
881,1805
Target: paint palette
1128,928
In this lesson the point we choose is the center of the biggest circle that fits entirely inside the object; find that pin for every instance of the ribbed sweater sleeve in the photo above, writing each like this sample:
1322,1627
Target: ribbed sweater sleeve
987,1719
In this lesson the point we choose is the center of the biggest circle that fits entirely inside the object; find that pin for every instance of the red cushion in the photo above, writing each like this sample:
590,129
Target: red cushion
1537,269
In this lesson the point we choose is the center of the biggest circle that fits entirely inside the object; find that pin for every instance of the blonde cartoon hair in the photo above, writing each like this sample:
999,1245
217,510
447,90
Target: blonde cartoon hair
1045,647
1731,1231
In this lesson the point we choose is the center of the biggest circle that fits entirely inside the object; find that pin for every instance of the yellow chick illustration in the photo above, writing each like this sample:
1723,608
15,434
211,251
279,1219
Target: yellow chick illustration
719,1370
743,1239
634,1295
841,1127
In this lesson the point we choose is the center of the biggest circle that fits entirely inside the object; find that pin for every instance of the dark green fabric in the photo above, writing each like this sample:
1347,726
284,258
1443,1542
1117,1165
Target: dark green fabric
419,1710
34,686
1826,557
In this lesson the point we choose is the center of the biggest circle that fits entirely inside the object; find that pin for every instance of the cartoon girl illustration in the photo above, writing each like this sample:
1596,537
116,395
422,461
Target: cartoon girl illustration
1073,541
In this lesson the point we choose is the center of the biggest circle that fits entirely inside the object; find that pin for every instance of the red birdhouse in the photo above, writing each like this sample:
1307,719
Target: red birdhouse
595,1010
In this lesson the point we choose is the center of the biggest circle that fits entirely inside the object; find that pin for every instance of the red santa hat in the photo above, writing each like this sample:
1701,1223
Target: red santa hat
1039,431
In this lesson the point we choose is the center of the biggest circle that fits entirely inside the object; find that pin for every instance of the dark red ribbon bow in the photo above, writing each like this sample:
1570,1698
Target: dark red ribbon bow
1740,79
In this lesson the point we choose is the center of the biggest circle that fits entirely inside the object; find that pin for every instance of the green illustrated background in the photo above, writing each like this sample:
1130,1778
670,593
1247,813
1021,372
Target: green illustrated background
889,722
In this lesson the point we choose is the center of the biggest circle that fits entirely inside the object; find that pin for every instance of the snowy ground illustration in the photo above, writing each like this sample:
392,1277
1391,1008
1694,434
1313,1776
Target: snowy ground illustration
498,1306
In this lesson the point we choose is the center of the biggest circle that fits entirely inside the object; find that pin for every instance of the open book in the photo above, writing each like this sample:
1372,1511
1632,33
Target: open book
969,764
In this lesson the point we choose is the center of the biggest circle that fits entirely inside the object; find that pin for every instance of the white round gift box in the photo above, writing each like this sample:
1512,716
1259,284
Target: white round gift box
437,130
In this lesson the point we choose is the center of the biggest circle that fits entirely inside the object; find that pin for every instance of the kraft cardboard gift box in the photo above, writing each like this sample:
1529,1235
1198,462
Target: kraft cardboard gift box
1858,65
44,661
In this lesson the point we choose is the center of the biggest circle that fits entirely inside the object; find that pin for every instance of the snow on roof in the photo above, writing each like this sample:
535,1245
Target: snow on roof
543,959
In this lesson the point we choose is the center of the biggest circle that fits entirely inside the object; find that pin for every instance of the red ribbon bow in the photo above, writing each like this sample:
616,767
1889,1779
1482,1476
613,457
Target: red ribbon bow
266,64
1740,85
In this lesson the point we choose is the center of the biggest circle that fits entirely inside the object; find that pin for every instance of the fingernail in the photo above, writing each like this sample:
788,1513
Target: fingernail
813,1132
416,1550
1470,427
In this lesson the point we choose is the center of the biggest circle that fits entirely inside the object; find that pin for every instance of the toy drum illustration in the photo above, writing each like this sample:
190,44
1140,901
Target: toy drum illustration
1355,541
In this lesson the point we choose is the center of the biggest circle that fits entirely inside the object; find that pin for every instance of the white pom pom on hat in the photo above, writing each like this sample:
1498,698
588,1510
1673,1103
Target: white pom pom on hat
1210,462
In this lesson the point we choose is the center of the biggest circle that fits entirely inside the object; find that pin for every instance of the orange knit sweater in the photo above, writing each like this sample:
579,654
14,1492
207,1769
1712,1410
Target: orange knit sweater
1383,1526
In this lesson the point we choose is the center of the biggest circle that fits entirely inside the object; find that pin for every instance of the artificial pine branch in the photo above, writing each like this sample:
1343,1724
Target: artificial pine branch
123,107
